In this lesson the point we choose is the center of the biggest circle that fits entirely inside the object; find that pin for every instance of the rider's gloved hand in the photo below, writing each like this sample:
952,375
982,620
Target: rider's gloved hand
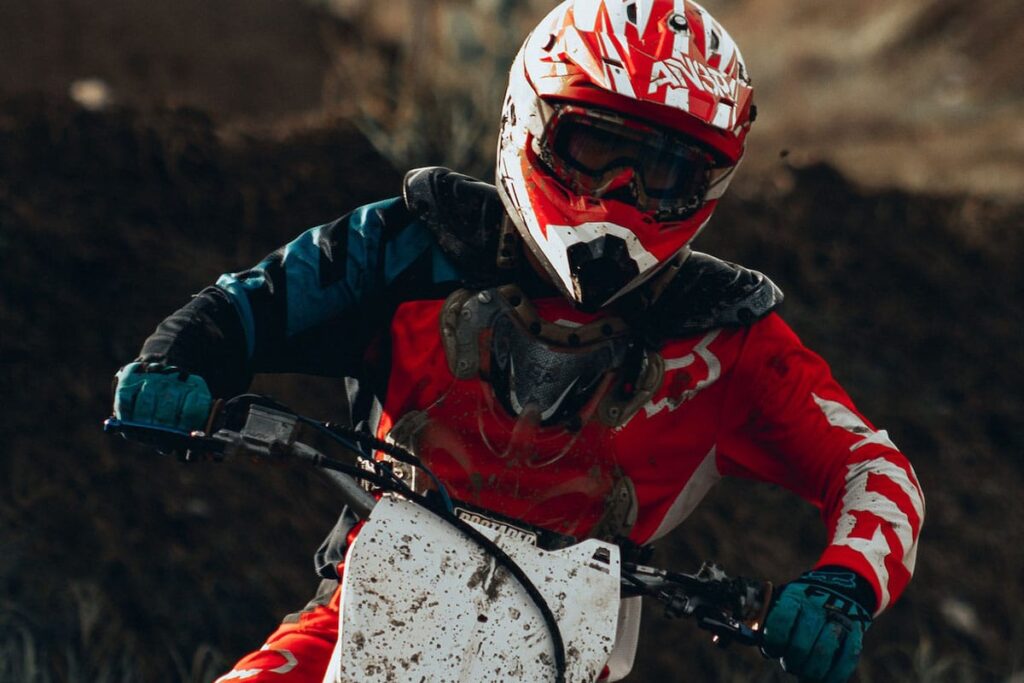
161,395
817,624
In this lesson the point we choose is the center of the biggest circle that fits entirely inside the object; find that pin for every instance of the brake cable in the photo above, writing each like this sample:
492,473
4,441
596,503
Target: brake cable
447,514
397,452
272,445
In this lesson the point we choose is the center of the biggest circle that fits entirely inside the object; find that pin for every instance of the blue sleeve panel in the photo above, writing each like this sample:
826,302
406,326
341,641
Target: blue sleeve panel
314,296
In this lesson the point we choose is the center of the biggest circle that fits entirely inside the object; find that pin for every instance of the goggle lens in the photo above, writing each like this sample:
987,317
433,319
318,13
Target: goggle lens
589,154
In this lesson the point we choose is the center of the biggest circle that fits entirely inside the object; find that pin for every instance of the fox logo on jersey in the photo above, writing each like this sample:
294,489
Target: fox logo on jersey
685,376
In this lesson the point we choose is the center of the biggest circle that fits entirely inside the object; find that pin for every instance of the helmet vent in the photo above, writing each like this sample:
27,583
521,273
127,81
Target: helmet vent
677,22
743,73
715,41
631,13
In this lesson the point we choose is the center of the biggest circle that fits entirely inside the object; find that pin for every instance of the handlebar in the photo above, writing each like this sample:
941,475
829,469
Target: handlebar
267,434
732,609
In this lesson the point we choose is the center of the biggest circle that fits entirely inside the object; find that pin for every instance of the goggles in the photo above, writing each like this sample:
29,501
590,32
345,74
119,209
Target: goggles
601,155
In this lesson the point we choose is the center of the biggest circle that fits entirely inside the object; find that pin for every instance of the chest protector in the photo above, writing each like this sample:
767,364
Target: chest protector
517,404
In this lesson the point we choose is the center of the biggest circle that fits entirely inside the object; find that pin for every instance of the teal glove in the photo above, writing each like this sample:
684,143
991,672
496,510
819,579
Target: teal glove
161,395
817,625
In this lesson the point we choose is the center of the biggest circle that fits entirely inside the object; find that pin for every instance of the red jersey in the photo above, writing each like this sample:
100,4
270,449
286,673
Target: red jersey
751,402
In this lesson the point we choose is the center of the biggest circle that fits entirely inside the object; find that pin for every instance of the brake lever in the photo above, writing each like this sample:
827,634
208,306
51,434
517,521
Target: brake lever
164,439
268,433
725,630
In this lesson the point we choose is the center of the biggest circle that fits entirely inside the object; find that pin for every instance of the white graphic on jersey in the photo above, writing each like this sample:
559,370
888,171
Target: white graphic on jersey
238,675
874,550
290,662
696,487
857,498
839,415
714,366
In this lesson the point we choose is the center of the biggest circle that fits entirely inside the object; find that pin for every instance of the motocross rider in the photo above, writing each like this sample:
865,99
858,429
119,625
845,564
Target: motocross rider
552,347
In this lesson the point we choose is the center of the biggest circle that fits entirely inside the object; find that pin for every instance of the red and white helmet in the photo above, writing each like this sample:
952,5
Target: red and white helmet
622,124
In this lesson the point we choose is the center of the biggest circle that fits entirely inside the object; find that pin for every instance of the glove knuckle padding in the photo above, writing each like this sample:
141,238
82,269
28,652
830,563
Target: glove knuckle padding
125,392
809,625
169,396
162,395
196,405
846,660
780,622
146,401
825,651
817,629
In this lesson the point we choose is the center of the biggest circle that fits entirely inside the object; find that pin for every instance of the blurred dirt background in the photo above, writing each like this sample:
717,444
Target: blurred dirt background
147,147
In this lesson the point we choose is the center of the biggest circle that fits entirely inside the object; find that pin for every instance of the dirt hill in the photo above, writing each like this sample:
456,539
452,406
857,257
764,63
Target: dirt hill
926,95
921,94
117,562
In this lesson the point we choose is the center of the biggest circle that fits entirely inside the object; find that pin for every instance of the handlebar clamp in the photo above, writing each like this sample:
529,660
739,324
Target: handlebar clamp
267,433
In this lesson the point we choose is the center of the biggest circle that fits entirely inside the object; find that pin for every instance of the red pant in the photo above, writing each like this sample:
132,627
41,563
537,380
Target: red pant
297,652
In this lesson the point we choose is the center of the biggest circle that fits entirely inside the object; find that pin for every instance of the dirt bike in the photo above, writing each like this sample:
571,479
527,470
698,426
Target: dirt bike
434,590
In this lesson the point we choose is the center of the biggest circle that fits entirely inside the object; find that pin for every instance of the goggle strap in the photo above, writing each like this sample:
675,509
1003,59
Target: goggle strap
719,184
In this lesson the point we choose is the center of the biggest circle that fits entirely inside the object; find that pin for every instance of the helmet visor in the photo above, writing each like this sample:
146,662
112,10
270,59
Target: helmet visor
602,156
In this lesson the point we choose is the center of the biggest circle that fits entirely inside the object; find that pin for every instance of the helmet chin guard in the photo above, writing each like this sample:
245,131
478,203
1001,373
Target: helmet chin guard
622,125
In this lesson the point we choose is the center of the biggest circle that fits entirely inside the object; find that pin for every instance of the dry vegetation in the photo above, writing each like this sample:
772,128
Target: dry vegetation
117,565
425,82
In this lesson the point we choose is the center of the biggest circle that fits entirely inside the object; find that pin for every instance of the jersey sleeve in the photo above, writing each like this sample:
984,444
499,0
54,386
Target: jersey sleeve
313,306
789,422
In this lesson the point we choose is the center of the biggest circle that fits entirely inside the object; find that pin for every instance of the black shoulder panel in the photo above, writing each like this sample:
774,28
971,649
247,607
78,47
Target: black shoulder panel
709,293
463,213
